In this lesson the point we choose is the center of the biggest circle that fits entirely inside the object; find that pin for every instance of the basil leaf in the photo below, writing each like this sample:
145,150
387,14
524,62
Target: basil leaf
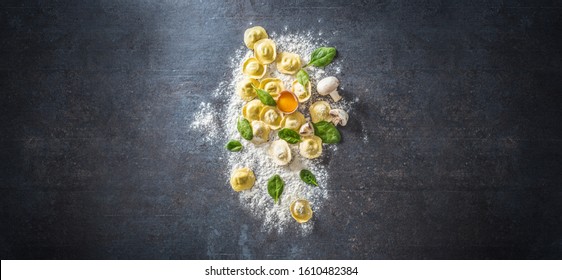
308,177
265,97
245,129
289,135
303,77
234,146
321,57
275,187
327,132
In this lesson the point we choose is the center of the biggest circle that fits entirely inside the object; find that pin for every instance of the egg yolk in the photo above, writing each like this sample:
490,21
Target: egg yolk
301,211
287,102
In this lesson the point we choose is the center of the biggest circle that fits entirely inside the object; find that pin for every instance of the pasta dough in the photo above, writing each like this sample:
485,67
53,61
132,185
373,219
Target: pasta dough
310,147
253,68
271,116
272,85
288,63
242,179
264,51
251,110
293,121
320,111
260,131
245,89
302,93
254,34
280,152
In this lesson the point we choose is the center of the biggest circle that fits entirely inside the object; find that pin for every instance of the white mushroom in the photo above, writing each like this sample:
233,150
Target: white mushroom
339,116
306,129
329,85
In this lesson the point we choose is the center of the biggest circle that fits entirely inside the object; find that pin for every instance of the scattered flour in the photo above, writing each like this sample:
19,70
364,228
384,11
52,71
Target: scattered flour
276,217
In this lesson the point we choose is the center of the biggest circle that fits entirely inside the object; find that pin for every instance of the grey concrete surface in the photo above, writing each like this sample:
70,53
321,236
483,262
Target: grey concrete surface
460,100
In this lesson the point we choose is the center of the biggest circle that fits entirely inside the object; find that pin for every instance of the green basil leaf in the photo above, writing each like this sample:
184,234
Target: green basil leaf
289,135
308,177
234,146
245,129
303,77
275,187
321,57
265,97
327,132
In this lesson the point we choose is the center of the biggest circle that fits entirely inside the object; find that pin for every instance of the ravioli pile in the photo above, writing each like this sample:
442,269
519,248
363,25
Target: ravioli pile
268,116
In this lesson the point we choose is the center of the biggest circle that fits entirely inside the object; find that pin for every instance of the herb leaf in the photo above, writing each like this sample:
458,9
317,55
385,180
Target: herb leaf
289,135
308,177
275,187
265,97
322,56
327,132
303,77
234,146
245,128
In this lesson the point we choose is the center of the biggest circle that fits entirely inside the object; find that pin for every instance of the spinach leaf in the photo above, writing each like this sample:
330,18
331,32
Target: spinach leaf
303,77
234,146
245,129
308,177
289,135
327,132
322,56
265,97
275,187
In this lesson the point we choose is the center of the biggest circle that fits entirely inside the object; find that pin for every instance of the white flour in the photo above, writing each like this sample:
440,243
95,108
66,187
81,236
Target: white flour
219,125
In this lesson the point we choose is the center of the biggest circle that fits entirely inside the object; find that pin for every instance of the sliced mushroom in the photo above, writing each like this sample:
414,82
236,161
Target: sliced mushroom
329,85
306,129
339,117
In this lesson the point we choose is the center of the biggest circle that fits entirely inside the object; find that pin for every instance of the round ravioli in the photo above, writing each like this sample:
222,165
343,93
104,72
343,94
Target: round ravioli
245,89
310,147
272,85
253,68
254,34
271,116
288,63
251,110
280,152
242,179
260,131
320,111
293,121
302,93
264,51
300,210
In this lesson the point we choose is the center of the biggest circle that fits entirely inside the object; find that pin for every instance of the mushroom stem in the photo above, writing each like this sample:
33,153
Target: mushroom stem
335,96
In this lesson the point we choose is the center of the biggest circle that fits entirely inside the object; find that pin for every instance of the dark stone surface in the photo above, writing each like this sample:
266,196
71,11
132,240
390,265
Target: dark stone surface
461,103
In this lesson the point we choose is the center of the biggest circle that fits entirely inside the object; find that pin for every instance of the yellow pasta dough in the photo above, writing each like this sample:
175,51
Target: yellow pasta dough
271,116
253,68
251,110
293,121
246,90
254,34
288,63
261,132
310,147
280,152
302,93
272,85
242,179
264,51
300,210
320,111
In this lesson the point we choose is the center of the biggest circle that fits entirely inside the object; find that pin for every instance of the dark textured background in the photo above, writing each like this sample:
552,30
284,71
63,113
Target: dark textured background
461,101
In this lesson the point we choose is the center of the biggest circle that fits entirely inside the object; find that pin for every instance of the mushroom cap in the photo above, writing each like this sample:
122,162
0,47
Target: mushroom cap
339,116
327,85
